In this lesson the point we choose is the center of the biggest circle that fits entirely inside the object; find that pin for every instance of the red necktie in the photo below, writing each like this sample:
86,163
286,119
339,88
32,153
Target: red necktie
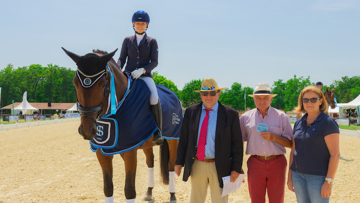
202,139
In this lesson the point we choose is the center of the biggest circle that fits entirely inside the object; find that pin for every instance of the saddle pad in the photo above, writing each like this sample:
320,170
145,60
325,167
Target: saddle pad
135,123
171,111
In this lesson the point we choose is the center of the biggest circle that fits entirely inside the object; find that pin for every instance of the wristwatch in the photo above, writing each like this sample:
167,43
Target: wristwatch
329,180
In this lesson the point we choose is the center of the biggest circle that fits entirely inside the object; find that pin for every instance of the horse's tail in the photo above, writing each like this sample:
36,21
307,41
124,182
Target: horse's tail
164,162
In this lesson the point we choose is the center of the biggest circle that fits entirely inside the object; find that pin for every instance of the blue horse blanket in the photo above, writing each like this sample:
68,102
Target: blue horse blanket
134,121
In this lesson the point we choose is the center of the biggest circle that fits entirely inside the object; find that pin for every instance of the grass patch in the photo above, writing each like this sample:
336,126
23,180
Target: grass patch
351,127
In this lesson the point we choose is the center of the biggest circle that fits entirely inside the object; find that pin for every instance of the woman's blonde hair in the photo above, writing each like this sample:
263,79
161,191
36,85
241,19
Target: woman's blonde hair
324,105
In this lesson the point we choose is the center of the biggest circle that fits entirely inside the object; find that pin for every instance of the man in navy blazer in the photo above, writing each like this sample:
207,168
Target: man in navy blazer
217,127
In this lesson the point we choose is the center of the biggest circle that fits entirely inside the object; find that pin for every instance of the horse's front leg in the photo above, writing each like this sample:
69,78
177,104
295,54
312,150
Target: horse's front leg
107,169
130,160
172,152
151,177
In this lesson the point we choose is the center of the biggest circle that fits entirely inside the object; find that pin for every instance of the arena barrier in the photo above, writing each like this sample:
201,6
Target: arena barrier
36,123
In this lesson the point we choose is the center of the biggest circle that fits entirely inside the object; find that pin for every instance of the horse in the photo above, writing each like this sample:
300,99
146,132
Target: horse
330,97
93,103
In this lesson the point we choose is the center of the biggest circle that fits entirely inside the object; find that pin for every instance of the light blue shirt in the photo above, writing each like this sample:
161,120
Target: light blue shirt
210,137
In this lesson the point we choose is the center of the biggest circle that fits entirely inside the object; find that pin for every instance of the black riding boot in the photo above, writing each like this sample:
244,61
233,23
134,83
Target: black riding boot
156,110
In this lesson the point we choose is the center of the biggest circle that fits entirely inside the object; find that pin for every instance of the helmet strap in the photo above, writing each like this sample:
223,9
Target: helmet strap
138,32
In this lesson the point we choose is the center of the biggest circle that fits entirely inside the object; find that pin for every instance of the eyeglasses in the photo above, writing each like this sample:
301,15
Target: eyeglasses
313,100
210,88
212,93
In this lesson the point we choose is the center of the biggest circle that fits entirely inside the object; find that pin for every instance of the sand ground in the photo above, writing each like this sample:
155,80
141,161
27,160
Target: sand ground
52,163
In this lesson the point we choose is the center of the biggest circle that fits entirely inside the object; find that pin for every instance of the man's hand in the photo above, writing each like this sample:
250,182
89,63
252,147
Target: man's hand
267,135
178,169
234,175
137,73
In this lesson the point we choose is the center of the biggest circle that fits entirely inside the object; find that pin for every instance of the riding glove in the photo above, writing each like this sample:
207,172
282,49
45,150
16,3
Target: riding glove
137,73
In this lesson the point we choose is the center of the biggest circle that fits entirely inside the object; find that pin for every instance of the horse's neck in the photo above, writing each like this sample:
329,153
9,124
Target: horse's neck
121,81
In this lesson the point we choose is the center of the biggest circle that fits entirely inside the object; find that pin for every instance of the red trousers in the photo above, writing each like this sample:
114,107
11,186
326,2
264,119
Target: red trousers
267,174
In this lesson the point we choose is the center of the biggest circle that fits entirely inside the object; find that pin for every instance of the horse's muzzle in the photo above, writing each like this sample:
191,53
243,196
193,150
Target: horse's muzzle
87,134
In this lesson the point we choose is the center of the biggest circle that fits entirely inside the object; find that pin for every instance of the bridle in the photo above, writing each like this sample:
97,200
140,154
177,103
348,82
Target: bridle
88,111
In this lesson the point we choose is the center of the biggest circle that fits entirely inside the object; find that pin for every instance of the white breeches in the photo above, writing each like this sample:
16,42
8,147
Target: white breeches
154,98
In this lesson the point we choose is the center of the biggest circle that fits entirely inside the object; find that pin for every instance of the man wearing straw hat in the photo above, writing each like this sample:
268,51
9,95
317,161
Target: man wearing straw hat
267,132
210,145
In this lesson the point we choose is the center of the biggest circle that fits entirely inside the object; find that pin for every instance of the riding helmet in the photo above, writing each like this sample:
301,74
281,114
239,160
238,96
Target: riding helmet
319,83
141,16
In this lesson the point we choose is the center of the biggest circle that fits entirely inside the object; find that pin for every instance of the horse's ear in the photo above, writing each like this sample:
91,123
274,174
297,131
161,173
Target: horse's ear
73,56
106,58
332,91
327,89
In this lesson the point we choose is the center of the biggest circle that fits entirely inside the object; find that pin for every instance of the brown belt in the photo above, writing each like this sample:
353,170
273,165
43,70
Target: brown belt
208,160
266,157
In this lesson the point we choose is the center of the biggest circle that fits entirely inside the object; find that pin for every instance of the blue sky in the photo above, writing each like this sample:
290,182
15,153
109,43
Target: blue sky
242,41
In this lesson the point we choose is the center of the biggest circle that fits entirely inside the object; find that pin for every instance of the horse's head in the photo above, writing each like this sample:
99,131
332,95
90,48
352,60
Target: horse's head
330,98
92,89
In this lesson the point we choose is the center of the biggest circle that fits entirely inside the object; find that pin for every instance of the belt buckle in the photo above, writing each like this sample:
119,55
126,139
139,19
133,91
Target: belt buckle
266,157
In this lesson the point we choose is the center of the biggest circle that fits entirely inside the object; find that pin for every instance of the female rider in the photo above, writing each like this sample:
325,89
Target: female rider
140,52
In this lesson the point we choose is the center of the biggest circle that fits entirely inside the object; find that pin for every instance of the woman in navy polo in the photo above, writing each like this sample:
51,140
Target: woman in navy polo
315,154
140,53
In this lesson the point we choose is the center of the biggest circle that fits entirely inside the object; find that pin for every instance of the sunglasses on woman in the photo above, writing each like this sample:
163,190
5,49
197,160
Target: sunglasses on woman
313,100
212,93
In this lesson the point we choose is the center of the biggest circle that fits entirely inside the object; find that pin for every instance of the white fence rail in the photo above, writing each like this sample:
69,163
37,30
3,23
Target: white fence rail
36,123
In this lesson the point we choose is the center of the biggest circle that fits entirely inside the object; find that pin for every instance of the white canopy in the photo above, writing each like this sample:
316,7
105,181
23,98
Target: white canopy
28,106
353,103
74,108
336,110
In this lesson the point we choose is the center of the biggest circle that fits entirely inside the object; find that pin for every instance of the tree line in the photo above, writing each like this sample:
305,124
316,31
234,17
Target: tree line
54,83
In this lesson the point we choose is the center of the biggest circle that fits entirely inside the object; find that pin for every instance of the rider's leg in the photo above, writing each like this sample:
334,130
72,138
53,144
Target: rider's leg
156,109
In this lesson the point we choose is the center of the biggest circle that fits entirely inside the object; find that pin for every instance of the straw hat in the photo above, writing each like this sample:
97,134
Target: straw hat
262,89
209,85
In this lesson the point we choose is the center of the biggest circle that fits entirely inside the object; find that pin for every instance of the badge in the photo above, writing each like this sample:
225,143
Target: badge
262,127
87,81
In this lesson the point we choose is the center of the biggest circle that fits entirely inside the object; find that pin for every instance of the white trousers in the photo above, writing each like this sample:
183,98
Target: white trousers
154,98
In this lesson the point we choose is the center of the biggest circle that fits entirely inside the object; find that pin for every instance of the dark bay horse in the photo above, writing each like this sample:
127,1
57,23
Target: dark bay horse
93,103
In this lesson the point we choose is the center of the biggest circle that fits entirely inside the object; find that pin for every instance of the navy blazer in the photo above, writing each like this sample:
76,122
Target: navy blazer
143,56
228,141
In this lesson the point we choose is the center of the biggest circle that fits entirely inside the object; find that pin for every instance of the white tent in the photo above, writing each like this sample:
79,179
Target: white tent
336,110
74,108
29,108
353,103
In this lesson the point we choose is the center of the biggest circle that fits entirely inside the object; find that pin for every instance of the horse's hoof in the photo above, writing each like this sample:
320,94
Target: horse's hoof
147,198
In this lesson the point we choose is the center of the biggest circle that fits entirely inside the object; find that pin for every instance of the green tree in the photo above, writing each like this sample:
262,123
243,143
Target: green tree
347,89
234,97
279,89
161,80
188,96
292,91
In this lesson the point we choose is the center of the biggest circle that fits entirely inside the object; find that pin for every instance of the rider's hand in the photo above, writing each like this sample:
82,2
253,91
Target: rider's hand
137,73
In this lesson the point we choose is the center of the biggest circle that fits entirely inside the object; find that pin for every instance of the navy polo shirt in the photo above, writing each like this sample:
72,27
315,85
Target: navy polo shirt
311,155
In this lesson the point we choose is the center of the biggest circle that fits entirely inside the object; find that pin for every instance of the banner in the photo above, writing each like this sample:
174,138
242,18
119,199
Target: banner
13,118
24,107
72,115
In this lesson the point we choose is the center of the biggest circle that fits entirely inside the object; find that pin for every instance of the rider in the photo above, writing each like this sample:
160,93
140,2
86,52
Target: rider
140,52
319,85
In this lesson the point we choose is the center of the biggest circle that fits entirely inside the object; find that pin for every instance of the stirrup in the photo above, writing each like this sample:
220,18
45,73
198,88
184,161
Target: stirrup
158,139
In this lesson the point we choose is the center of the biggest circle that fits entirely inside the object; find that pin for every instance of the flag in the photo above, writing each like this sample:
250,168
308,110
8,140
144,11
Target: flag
24,103
245,94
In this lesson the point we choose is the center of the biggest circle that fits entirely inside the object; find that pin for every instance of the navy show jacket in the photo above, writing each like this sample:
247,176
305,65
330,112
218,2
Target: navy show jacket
143,56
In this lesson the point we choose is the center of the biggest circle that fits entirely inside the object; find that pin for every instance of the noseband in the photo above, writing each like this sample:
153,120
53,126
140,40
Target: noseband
86,82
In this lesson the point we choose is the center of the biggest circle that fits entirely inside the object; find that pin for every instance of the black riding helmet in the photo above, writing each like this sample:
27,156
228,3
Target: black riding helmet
141,16
319,83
